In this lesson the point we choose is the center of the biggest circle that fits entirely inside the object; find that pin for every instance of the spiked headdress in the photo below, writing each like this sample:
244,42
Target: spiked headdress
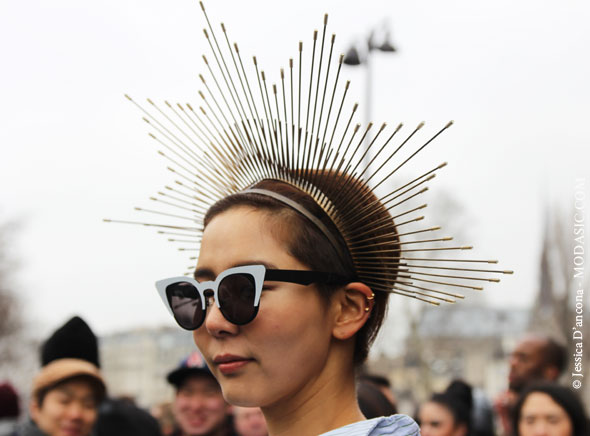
246,130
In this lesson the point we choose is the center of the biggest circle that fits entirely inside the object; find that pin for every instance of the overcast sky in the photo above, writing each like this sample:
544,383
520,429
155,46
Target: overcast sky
513,76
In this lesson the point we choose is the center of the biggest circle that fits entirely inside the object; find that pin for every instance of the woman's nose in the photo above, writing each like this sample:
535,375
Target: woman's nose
217,325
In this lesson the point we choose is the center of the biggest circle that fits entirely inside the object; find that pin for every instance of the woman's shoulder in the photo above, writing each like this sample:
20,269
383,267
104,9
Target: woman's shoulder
394,425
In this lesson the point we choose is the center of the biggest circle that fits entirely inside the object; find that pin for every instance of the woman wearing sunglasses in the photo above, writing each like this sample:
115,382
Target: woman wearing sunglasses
278,312
297,254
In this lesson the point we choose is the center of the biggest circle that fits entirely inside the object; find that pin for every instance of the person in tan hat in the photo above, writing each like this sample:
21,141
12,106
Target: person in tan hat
65,398
116,417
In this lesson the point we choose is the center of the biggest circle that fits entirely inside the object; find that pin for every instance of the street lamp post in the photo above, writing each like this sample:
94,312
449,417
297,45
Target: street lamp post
353,58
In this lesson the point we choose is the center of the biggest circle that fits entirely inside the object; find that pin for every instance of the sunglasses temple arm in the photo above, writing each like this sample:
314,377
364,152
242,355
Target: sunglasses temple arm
304,277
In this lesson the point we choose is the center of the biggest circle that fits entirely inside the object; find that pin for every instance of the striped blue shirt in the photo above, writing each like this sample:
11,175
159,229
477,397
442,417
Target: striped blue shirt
395,425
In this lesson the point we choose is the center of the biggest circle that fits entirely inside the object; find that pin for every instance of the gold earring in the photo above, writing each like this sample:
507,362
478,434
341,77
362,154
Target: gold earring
369,299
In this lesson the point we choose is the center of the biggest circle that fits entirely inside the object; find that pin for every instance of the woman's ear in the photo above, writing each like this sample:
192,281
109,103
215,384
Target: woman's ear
353,304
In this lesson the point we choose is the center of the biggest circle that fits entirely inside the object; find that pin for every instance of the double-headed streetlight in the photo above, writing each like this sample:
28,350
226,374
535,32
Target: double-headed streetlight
353,58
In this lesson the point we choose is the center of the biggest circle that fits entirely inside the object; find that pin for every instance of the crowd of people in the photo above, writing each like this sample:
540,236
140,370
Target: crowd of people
69,397
534,404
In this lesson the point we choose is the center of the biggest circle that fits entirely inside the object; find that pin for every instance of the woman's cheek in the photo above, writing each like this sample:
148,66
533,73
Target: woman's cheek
202,339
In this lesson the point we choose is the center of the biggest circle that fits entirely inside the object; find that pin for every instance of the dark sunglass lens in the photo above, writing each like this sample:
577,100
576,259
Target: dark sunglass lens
236,296
186,304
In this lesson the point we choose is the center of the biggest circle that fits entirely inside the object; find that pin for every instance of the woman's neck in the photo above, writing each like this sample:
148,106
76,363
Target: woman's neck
326,403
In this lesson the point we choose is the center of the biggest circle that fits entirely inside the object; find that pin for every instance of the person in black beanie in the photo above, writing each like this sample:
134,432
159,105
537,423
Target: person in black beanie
75,339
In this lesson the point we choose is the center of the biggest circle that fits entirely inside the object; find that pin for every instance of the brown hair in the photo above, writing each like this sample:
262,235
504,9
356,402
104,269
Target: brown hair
310,246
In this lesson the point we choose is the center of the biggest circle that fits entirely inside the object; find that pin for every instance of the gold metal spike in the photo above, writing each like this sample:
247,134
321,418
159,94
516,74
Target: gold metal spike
161,232
139,223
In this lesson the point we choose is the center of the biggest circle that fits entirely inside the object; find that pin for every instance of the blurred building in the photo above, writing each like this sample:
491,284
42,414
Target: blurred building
465,341
135,362
554,310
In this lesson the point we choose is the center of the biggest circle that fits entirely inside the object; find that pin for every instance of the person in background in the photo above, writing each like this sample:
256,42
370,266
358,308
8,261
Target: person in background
249,421
447,413
9,409
482,413
372,402
549,410
65,398
165,416
121,417
199,407
116,417
383,384
535,358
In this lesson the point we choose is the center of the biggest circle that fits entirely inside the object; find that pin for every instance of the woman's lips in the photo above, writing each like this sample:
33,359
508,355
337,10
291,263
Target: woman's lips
229,363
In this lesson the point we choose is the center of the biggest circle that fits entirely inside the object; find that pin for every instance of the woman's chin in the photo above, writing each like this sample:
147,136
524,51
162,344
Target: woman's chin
237,397
241,393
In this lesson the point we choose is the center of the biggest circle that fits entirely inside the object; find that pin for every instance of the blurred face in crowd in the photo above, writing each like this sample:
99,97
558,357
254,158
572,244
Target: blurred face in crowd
69,409
249,421
541,416
199,407
436,420
527,363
